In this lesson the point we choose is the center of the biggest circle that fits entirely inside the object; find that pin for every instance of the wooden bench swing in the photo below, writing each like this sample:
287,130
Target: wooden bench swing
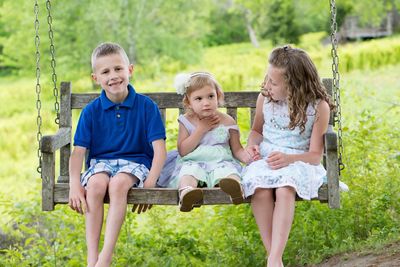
56,191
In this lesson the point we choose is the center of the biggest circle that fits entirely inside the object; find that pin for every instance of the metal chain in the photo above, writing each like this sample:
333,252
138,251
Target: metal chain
336,84
53,62
38,87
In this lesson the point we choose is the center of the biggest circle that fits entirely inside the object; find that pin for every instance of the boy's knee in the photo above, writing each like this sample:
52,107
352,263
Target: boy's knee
97,185
120,184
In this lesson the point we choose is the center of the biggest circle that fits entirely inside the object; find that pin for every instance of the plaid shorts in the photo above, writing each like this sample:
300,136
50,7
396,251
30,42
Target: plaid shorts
114,166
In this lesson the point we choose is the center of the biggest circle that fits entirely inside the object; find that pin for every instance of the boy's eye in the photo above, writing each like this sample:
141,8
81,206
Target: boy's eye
198,98
211,96
104,72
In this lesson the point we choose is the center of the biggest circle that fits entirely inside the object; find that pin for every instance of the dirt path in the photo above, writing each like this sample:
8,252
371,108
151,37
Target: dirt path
387,256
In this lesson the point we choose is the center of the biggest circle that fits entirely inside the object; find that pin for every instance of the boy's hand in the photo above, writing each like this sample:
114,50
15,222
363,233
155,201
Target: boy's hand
254,152
141,207
277,160
77,199
149,183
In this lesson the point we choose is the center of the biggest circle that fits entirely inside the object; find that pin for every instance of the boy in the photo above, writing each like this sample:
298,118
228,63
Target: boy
125,136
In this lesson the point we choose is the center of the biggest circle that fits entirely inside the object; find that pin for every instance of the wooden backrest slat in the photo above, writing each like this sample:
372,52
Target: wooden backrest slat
173,100
232,112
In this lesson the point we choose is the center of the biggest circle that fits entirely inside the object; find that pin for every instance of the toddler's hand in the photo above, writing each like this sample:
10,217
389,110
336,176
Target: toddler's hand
208,123
277,160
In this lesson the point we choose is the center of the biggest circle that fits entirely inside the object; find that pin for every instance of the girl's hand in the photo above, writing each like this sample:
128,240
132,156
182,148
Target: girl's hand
277,160
254,152
208,123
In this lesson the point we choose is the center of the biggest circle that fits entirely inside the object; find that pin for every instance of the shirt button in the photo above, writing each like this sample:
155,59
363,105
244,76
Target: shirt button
117,107
118,115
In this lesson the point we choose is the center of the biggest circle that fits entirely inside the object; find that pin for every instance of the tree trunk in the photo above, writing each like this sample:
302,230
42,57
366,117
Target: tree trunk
250,30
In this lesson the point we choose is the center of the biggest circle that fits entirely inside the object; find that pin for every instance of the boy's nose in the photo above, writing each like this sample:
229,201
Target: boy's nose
113,75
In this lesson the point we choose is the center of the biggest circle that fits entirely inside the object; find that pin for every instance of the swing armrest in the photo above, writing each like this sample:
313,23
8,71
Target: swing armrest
332,170
330,139
52,143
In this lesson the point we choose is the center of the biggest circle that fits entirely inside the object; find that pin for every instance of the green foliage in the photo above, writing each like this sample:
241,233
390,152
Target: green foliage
370,12
371,55
227,26
282,27
159,36
148,30
370,211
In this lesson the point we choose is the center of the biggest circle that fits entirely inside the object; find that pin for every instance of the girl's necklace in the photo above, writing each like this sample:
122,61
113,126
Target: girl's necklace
275,124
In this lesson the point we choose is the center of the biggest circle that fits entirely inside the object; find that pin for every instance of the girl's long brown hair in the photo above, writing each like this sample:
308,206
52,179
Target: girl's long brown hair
303,83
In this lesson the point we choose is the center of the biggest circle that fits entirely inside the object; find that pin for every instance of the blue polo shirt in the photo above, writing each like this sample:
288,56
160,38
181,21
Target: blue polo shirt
120,130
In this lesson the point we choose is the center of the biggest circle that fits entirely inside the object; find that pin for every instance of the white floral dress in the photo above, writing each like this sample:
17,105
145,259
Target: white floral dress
210,161
303,177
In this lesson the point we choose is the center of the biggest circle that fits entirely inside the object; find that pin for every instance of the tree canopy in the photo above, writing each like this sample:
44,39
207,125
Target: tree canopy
158,31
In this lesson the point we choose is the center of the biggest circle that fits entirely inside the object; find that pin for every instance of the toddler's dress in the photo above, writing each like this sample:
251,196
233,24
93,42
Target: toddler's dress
210,161
305,178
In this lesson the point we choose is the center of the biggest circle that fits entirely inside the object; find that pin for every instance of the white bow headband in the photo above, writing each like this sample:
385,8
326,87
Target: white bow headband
182,81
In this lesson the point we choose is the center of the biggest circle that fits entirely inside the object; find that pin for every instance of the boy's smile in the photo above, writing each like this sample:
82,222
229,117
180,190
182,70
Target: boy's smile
112,73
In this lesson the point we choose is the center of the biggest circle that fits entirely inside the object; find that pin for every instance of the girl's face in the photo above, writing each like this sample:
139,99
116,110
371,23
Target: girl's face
204,101
274,85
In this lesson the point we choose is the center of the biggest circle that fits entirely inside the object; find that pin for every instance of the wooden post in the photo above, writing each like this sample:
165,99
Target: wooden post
232,112
332,169
65,121
48,179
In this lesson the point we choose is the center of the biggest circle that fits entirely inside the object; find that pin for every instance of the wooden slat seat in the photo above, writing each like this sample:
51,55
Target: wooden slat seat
56,192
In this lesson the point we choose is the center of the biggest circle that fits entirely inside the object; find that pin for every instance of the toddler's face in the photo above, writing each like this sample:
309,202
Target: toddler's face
204,101
274,85
112,73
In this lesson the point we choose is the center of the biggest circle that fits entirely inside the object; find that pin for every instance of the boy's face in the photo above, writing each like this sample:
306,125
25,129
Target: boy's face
112,73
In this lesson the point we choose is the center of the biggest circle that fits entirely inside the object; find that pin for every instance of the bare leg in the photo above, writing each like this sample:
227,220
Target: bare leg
262,204
95,192
281,224
118,191
187,180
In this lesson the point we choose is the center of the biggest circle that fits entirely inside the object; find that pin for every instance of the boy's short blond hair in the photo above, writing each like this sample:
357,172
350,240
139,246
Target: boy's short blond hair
108,48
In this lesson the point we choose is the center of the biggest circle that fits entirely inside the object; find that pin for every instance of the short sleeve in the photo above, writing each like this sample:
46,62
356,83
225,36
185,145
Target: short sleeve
84,129
154,122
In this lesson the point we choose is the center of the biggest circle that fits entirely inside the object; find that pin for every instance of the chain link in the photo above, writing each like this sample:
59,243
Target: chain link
53,62
38,87
336,84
